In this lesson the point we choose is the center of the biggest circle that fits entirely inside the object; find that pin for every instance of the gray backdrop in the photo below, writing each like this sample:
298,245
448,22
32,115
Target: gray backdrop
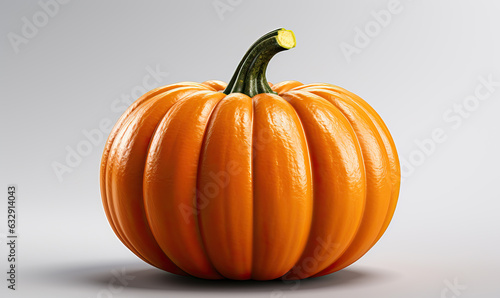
430,68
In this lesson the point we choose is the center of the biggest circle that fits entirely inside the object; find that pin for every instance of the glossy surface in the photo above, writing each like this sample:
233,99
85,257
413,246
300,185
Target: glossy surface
293,185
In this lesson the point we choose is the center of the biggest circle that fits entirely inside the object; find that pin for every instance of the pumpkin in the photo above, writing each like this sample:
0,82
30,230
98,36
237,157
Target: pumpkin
248,181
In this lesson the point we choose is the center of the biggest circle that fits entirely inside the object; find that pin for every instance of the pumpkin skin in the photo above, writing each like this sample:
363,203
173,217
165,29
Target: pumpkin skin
297,184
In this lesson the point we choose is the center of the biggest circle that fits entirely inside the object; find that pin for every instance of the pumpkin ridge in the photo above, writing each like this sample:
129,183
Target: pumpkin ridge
106,199
282,188
109,172
307,105
308,153
106,154
361,123
254,222
224,185
167,199
391,154
388,142
161,258
200,157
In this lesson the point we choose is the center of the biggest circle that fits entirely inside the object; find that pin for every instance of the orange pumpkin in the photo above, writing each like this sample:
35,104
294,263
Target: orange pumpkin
248,181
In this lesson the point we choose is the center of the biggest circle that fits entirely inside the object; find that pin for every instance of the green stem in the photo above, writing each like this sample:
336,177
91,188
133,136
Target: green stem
250,76
233,79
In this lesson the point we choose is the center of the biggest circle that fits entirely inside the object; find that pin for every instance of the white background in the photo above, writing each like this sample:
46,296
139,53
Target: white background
416,70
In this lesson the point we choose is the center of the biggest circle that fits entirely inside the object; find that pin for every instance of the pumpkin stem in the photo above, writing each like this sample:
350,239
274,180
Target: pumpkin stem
250,76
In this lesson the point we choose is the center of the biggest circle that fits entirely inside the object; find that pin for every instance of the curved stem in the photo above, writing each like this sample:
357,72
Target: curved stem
250,76
233,79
